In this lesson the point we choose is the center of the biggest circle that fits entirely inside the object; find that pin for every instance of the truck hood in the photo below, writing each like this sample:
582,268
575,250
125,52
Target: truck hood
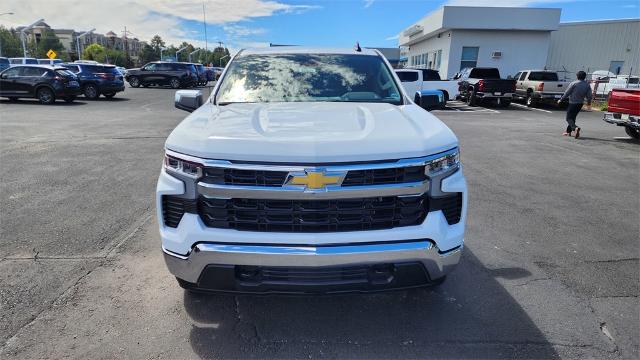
310,132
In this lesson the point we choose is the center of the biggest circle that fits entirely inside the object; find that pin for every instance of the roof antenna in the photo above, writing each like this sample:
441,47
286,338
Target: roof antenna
357,47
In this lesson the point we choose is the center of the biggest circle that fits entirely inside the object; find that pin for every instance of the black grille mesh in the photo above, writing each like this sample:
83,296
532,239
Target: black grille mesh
313,215
222,176
173,208
384,176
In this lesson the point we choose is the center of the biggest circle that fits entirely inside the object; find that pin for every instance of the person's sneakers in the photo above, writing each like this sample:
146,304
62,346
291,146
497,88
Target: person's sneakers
577,132
566,134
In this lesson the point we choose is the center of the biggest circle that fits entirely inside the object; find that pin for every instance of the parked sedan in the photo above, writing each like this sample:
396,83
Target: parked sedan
43,82
97,79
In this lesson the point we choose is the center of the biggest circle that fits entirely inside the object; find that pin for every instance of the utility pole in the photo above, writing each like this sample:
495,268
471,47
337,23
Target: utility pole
126,45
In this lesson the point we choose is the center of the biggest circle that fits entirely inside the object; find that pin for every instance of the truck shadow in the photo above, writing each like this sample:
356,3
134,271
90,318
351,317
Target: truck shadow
469,316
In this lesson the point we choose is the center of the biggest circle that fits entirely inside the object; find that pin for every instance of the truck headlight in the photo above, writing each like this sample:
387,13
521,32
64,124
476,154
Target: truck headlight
443,164
184,167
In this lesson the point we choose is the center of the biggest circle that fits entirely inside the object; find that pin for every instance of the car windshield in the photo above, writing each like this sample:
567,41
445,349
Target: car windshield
543,76
308,77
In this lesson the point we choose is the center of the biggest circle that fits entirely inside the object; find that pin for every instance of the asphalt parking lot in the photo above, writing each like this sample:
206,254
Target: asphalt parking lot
550,267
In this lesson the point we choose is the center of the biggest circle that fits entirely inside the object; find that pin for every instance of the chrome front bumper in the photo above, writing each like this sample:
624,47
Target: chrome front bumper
190,267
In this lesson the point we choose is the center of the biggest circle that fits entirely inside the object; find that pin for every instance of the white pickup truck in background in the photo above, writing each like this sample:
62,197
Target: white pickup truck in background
415,80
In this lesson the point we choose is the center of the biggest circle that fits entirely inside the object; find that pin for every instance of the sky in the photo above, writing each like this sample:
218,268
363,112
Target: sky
255,23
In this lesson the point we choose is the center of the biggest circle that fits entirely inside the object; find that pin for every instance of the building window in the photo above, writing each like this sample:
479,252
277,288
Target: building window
616,66
469,57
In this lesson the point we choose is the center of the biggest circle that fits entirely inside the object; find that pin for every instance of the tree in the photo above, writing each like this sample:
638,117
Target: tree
95,52
48,41
147,54
157,43
10,45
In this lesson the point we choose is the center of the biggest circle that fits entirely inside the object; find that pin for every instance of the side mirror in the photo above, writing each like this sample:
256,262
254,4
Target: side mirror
188,100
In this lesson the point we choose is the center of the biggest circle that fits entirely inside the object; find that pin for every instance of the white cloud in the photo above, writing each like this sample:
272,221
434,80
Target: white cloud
368,3
144,18
395,37
236,31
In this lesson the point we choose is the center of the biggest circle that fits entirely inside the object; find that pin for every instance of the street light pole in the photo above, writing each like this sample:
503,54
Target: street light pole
78,41
22,34
162,48
193,52
179,51
204,23
224,57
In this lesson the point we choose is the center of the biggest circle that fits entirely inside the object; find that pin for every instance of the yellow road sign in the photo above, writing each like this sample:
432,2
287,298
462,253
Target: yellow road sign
51,54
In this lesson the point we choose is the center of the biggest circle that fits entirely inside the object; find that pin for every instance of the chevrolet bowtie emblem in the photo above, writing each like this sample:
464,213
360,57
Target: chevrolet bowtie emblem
315,180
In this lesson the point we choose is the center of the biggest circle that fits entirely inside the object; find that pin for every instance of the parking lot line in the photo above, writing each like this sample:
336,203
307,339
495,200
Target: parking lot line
531,108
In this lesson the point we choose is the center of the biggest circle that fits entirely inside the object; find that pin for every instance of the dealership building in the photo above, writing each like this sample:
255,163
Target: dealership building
514,39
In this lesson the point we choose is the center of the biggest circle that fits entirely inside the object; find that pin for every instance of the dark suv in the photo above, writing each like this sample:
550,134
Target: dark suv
45,83
202,74
174,74
97,79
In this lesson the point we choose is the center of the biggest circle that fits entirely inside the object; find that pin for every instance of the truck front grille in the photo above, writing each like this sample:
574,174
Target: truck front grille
173,208
230,176
313,215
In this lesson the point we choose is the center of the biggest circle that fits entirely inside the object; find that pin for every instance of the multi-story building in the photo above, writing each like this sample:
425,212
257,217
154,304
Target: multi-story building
68,38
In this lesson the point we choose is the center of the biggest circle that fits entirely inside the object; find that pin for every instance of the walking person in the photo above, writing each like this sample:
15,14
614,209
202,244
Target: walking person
576,93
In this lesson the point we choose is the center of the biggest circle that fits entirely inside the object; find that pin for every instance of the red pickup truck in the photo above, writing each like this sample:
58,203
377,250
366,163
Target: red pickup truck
624,110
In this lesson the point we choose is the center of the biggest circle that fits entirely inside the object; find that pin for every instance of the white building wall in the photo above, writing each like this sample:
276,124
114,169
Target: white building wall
431,46
520,49
593,45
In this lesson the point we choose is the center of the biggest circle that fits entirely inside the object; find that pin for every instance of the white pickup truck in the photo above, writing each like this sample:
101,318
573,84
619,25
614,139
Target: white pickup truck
309,170
416,80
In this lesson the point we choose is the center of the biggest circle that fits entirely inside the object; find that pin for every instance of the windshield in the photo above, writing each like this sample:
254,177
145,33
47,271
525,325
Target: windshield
484,73
308,77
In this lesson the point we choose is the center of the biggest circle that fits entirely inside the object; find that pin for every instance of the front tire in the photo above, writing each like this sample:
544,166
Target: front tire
531,102
91,92
45,96
635,134
134,81
175,83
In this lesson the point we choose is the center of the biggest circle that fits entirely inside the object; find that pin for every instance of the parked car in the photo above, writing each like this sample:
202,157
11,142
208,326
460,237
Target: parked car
481,84
43,82
121,70
537,86
23,61
623,109
97,79
302,195
4,63
218,71
416,80
49,61
174,74
603,87
202,74
211,74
